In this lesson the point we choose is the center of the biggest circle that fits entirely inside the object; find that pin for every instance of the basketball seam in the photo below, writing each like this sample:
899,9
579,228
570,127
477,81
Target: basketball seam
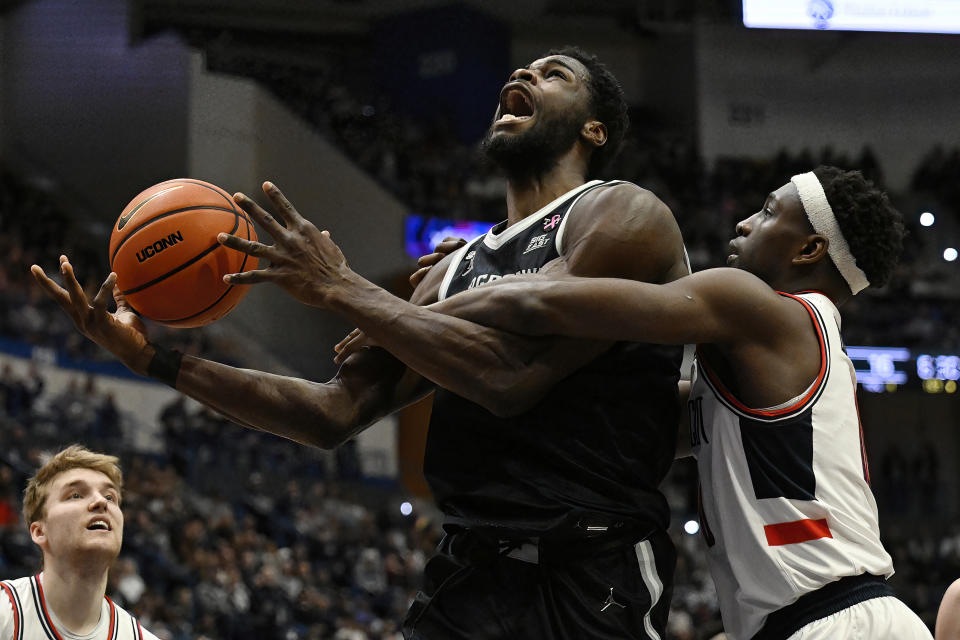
205,185
236,225
229,287
160,217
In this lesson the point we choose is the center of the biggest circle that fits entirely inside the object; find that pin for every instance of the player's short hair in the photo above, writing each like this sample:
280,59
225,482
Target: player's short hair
73,457
870,224
607,104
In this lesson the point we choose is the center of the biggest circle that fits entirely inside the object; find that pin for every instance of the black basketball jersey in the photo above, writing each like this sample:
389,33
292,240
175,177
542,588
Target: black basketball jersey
598,444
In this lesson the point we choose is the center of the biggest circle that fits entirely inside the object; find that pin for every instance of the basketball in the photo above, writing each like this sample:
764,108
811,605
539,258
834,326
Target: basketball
165,253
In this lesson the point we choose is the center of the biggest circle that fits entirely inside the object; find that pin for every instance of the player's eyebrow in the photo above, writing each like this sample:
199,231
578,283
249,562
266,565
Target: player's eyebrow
83,483
561,62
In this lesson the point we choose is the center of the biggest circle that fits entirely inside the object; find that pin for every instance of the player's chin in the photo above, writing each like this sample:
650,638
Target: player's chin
106,542
733,260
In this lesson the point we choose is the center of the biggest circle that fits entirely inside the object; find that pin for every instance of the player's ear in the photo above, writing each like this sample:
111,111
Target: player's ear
38,533
594,132
814,250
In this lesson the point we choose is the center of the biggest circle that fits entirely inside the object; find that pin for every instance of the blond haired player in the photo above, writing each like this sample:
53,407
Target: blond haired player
72,507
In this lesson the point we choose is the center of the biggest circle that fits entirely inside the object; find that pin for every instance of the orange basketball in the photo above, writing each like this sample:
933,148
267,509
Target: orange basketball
165,253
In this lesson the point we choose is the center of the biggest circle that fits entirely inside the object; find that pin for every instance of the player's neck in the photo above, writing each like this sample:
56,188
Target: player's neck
834,288
75,596
529,194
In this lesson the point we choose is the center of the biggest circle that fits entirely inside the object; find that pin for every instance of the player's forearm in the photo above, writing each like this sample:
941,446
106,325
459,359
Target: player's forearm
315,414
511,306
481,364
584,308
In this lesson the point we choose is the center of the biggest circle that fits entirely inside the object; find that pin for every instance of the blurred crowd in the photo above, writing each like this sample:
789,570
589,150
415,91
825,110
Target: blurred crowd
217,543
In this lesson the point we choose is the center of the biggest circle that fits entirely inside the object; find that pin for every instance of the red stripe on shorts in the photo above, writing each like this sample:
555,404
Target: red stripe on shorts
794,532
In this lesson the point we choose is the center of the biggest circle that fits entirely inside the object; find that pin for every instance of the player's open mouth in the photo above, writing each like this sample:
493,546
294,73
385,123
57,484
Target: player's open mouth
515,104
98,525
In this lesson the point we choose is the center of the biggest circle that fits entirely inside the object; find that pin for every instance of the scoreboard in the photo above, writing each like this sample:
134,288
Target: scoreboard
882,369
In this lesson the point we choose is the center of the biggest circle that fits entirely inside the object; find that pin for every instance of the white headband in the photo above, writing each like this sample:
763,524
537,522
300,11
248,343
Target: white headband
824,222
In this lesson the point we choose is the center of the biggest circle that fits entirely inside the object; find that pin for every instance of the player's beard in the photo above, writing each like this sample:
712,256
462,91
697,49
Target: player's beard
537,150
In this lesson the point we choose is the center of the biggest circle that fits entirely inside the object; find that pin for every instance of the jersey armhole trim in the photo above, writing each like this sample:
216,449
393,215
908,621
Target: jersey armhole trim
17,610
814,391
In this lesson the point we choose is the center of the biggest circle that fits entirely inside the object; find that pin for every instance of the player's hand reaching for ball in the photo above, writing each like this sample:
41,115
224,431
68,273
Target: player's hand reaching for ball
122,332
304,261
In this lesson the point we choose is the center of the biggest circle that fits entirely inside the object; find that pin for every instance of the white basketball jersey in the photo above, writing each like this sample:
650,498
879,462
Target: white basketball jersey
24,616
786,500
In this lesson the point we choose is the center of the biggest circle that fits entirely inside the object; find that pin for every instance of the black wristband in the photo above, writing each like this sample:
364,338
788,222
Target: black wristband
165,365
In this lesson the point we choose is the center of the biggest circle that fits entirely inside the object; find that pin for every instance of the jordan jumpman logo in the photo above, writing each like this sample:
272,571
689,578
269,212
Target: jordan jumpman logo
610,602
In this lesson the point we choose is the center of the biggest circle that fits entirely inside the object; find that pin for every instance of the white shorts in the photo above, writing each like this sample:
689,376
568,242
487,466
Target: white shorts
884,618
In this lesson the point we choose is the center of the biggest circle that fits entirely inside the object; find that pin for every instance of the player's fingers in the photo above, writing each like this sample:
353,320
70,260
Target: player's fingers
255,211
357,343
350,336
281,205
349,349
75,291
249,277
120,299
104,294
53,289
250,247
430,259
417,276
449,245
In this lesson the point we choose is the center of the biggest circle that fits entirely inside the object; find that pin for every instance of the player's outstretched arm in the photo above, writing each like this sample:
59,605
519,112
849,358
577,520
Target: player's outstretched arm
368,386
498,370
716,306
502,372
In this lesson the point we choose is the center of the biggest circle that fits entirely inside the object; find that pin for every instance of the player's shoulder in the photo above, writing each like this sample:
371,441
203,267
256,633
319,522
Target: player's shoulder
624,199
17,587
952,593
19,583
623,230
13,594
624,211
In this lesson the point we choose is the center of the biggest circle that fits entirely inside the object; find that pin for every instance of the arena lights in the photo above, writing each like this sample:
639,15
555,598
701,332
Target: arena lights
927,219
882,369
939,373
950,254
691,527
406,508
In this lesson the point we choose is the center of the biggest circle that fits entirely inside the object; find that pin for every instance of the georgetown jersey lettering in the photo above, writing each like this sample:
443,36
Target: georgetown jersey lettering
786,505
509,251
599,442
24,616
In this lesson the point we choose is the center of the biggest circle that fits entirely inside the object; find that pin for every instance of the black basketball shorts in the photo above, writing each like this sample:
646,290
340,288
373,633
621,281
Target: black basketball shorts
572,592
